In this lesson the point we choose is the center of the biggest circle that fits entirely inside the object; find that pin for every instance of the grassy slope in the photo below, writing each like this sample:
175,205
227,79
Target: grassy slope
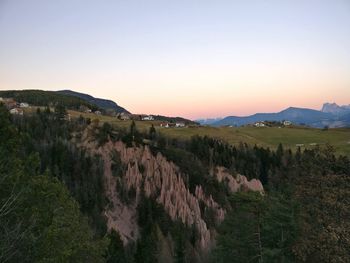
271,137
268,137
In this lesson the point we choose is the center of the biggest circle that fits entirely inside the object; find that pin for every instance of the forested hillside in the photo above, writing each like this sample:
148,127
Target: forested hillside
46,98
80,191
40,221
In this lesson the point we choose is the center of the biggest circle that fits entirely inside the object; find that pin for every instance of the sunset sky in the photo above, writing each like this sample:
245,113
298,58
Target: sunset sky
181,58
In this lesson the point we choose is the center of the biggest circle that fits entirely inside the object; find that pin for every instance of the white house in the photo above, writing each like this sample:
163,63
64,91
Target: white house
259,124
287,123
23,105
16,111
98,112
148,118
180,124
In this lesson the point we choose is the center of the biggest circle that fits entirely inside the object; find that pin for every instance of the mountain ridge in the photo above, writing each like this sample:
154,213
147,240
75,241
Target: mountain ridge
329,115
101,103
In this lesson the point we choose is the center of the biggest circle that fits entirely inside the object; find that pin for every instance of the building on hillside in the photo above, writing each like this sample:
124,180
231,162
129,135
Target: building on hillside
147,118
124,116
167,124
287,123
23,105
1,99
259,124
180,125
97,112
16,111
164,124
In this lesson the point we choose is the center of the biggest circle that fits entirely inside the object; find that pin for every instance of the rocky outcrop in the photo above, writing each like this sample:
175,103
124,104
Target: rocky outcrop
163,181
121,217
238,182
209,202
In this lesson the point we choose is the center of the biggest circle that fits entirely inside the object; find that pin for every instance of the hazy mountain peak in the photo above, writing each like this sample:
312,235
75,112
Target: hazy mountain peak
334,108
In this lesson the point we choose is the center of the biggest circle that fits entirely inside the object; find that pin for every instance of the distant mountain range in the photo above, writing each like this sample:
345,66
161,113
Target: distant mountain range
331,115
101,103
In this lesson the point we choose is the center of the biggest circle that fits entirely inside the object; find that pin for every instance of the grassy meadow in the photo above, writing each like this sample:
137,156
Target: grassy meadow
271,136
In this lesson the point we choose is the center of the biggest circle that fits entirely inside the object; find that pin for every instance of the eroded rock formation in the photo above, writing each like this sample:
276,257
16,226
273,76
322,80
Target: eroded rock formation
238,182
163,181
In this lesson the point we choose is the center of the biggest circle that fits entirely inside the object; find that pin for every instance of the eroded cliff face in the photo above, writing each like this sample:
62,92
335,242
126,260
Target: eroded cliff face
238,182
161,180
121,217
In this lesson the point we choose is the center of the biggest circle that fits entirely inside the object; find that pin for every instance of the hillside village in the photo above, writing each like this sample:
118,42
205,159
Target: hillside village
18,108
13,106
273,123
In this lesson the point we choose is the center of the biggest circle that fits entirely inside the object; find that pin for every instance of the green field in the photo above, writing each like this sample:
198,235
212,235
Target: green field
263,136
272,136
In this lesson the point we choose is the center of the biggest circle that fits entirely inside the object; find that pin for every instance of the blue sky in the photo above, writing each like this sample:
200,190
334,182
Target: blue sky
187,58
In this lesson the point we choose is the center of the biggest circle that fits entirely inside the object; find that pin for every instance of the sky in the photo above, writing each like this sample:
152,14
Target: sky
196,59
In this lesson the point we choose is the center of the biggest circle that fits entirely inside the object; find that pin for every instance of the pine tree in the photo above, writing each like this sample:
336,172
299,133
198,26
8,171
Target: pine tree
115,252
152,133
258,229
60,112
